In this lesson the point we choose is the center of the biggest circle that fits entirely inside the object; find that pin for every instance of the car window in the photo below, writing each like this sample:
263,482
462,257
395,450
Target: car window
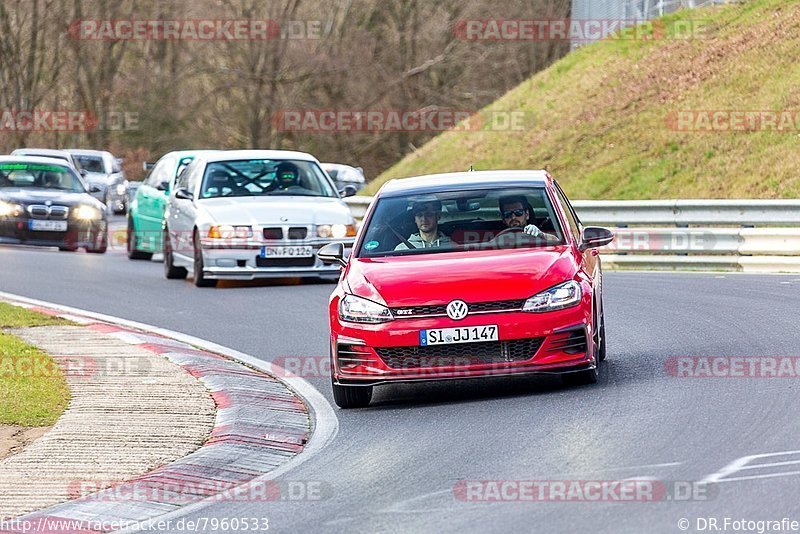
265,177
572,218
91,164
465,221
40,176
152,177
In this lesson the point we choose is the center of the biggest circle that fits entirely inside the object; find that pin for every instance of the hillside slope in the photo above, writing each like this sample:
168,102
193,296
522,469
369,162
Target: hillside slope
599,119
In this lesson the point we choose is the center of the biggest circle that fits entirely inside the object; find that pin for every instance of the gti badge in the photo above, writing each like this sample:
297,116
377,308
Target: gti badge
457,310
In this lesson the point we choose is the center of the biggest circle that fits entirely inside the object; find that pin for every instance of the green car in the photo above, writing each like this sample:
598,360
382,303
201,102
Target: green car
146,212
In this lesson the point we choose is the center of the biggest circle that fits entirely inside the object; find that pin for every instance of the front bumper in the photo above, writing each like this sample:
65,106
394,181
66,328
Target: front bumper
79,234
242,261
552,343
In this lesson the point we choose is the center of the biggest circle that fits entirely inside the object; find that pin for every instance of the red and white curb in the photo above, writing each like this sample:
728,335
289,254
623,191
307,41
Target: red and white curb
262,425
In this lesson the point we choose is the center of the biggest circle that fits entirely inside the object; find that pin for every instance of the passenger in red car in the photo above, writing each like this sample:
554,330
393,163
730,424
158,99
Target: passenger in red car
426,217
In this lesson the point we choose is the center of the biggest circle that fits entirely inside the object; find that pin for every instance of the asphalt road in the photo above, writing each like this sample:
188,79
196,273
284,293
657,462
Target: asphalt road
393,466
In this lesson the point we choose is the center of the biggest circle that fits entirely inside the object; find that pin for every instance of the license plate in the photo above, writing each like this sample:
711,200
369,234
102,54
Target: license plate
47,226
465,334
286,252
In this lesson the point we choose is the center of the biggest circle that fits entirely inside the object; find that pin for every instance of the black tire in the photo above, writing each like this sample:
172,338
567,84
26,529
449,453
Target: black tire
601,346
170,270
199,279
347,397
133,252
67,248
100,244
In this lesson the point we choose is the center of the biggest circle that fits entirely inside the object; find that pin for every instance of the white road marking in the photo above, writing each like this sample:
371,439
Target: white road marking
745,462
126,337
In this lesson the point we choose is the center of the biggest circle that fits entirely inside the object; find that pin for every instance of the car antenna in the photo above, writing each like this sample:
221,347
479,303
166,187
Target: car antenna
471,169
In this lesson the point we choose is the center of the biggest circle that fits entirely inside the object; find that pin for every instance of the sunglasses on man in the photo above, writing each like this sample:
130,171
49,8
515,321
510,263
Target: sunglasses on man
516,213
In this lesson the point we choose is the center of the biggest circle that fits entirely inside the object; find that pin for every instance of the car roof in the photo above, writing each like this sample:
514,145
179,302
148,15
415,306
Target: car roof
20,158
432,183
89,152
230,155
63,154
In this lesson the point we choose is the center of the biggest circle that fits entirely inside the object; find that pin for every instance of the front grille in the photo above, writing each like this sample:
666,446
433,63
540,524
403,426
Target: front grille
273,233
285,262
298,233
459,354
38,211
474,307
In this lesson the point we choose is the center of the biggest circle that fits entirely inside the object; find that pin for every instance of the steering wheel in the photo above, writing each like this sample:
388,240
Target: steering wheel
512,230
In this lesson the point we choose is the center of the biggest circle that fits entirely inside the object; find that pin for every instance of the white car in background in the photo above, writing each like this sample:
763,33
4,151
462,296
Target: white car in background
345,175
247,214
104,171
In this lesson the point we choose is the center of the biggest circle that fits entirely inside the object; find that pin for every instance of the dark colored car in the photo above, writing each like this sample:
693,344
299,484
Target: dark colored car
45,202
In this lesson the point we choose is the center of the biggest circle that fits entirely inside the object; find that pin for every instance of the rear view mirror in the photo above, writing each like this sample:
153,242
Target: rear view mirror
94,189
184,194
348,191
467,204
147,165
332,253
595,236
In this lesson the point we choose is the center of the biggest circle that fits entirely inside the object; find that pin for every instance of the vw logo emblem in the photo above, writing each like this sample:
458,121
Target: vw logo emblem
48,203
457,310
285,219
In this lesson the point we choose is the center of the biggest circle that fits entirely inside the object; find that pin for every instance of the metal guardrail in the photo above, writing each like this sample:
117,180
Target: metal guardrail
741,235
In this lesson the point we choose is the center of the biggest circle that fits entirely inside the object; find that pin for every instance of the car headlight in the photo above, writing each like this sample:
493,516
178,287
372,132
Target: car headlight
87,213
360,310
336,231
556,298
9,209
230,232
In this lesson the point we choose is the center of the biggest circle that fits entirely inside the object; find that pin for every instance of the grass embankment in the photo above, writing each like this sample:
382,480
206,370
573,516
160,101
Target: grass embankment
599,118
33,390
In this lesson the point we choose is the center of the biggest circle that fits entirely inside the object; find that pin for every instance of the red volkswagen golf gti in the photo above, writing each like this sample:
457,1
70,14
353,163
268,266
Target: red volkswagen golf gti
466,275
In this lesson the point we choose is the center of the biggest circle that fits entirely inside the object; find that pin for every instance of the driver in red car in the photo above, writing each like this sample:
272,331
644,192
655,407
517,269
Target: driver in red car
516,213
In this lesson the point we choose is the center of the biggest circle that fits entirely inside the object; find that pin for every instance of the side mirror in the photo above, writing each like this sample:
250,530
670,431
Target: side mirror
594,237
348,191
184,194
332,253
94,189
147,165
163,186
83,172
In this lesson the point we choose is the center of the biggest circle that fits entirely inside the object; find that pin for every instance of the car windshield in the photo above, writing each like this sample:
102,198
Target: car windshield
460,221
39,175
265,177
91,163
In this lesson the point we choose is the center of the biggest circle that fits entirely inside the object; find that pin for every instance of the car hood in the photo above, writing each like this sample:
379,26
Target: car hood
276,210
40,196
483,276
